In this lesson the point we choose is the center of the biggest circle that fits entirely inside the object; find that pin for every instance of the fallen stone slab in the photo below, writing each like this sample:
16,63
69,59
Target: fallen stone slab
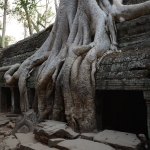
50,123
1,138
11,125
10,143
7,133
53,129
88,136
12,115
26,138
2,145
2,132
120,140
81,144
54,142
37,146
4,121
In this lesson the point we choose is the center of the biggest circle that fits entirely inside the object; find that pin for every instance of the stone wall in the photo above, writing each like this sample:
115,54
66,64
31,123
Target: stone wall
18,52
132,36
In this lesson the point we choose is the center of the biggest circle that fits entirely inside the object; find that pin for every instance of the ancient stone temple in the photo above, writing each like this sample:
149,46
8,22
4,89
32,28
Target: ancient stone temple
122,80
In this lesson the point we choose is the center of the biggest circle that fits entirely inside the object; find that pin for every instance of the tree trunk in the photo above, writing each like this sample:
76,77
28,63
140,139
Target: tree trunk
83,32
55,2
4,23
28,20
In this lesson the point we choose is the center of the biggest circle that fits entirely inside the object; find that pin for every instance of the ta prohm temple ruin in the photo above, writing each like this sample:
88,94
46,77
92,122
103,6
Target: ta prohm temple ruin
122,79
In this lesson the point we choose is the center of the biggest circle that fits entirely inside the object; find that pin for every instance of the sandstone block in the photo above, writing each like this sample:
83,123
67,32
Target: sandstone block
121,140
53,129
10,143
26,138
54,142
88,136
81,144
37,146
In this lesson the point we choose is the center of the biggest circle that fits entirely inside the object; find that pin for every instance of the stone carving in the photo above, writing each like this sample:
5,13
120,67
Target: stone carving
83,32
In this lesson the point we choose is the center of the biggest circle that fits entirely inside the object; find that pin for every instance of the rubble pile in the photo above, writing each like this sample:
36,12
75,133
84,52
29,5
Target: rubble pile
54,135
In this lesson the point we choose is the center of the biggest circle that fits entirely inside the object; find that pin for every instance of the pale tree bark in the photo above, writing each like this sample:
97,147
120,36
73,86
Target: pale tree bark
84,32
29,21
56,7
4,23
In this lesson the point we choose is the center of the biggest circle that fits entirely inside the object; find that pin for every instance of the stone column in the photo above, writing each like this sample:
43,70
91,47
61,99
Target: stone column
0,99
12,100
147,98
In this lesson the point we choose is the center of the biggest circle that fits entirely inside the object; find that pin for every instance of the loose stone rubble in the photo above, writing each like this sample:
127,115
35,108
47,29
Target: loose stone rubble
54,142
58,136
26,138
81,144
37,146
88,136
11,143
53,129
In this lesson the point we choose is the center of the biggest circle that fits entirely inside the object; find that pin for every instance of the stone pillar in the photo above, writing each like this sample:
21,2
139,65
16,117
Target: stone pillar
12,100
0,99
147,98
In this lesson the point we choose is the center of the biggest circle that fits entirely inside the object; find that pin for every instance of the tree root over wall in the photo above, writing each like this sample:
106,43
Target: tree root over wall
83,32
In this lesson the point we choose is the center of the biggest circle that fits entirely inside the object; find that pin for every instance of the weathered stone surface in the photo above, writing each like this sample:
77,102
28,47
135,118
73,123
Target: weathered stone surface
54,142
3,119
3,122
2,132
81,144
7,133
10,143
11,125
23,129
2,146
53,129
37,146
121,140
88,136
26,138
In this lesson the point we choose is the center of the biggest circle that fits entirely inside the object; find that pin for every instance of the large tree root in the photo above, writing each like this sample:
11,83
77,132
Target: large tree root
28,119
84,31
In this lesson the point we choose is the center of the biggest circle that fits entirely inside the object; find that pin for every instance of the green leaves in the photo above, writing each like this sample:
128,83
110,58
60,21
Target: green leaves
21,6
34,14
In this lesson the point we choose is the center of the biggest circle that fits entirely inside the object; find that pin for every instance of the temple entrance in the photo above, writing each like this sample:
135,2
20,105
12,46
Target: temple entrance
124,111
5,99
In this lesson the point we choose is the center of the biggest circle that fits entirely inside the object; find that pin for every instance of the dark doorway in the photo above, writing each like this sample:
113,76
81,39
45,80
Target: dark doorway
5,99
124,111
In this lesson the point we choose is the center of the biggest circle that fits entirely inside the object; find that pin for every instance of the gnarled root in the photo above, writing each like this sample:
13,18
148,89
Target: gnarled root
84,31
28,119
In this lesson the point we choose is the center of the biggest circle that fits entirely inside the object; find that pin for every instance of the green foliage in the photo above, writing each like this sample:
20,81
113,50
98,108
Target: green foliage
29,13
22,5
8,39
